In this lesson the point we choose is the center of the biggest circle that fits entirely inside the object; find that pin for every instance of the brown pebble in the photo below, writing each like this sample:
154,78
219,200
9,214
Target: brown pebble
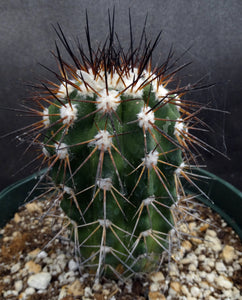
228,254
204,227
186,245
17,218
76,288
157,277
33,267
195,240
176,286
34,253
156,296
33,207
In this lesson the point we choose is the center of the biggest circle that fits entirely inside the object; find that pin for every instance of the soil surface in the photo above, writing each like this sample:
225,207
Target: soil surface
207,264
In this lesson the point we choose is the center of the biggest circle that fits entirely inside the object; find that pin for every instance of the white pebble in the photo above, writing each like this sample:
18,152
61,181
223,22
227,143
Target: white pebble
192,267
211,233
206,293
236,266
85,275
190,258
209,262
54,269
203,274
196,276
223,282
173,270
224,224
230,270
7,279
87,291
10,293
185,290
236,293
201,257
228,294
195,291
97,287
210,277
39,281
172,292
18,285
200,249
29,291
213,243
154,287
63,293
61,261
220,267
190,277
15,268
207,269
42,254
204,285
72,265
67,277
185,261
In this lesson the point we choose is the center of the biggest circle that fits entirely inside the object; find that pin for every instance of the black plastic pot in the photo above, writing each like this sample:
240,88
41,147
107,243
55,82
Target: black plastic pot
225,199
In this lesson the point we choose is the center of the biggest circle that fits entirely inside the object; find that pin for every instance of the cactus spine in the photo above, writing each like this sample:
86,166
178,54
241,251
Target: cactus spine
115,140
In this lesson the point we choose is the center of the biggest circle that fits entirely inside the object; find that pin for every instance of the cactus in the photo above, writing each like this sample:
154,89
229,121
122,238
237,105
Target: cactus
116,143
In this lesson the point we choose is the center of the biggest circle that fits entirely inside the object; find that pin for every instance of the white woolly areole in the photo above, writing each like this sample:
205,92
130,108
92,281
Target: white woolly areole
107,223
46,118
180,168
104,183
61,150
64,88
108,102
68,113
146,233
177,101
103,140
68,190
180,127
45,151
105,249
88,79
148,200
128,81
113,80
161,92
146,118
151,159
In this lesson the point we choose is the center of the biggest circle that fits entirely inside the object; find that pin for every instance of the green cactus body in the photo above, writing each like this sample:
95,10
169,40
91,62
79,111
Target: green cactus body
116,143
117,157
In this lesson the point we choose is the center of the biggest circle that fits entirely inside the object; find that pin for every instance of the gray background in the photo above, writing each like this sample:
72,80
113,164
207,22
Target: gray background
211,28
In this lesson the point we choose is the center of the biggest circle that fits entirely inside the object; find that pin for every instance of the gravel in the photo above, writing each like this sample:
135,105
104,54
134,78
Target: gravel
207,264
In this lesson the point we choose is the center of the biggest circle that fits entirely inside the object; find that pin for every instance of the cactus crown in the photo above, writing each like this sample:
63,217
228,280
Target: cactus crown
116,143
